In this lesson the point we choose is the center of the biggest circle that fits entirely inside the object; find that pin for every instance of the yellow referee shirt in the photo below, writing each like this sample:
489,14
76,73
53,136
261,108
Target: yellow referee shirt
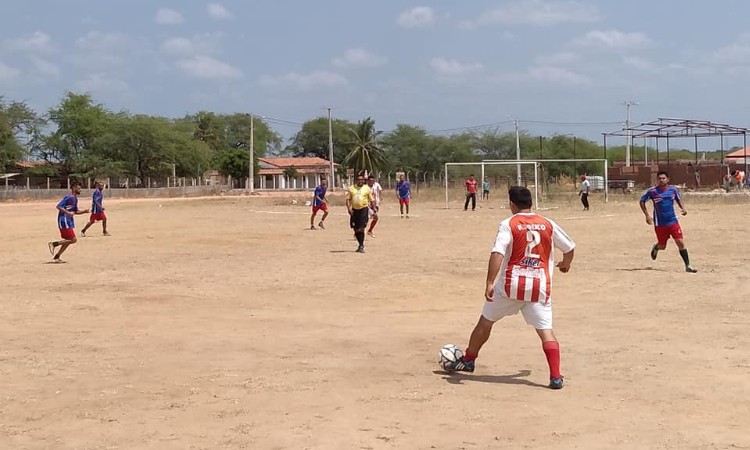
361,196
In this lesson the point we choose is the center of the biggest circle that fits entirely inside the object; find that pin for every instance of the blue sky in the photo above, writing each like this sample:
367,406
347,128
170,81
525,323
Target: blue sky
440,65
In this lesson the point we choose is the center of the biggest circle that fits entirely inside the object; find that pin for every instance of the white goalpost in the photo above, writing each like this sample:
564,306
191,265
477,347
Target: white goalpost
574,161
514,163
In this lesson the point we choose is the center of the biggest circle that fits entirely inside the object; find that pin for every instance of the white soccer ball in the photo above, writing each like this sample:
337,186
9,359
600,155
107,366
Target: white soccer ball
449,354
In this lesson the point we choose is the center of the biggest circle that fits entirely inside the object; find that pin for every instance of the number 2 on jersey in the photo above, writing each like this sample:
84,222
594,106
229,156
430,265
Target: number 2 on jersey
533,238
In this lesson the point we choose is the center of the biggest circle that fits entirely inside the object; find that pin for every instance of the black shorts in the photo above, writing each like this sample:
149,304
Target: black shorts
359,218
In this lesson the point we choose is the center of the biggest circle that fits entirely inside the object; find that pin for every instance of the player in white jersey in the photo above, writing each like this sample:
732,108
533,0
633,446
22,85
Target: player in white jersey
376,190
519,278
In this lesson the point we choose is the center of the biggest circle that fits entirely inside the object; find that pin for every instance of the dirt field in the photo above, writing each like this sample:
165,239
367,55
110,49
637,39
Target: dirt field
225,324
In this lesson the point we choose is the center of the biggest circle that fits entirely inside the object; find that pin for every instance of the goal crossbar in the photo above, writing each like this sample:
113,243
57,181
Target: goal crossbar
496,163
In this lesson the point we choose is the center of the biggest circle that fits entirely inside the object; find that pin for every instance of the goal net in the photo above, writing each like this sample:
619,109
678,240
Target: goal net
563,175
499,174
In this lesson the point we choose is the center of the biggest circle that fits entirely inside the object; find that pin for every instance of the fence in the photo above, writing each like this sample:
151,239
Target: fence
31,188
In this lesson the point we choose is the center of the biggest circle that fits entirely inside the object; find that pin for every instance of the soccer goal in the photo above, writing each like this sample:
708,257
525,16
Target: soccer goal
499,174
586,166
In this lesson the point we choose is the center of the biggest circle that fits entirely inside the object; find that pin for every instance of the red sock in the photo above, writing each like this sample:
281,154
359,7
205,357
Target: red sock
552,352
372,224
469,356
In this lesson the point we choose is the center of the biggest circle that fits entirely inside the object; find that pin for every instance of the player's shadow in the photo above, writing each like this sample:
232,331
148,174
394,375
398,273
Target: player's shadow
460,377
342,251
639,269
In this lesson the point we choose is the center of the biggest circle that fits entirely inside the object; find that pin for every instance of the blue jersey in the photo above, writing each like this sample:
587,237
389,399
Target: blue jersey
97,207
403,188
68,203
663,204
320,193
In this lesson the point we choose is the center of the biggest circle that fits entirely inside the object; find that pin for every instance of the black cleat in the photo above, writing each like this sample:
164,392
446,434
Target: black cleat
556,383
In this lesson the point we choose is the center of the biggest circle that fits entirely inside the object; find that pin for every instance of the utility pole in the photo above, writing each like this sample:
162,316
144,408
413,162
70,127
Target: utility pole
518,154
629,142
330,149
251,181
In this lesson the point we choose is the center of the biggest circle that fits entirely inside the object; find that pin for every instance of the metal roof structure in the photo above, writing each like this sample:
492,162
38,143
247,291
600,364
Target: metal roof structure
679,128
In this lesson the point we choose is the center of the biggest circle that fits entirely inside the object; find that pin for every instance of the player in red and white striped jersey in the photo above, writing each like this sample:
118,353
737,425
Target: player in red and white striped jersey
519,278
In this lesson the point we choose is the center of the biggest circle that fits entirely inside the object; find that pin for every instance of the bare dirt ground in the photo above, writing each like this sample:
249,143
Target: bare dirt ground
226,324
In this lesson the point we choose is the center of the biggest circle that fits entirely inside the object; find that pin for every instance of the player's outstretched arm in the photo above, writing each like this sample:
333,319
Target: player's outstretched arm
645,212
567,260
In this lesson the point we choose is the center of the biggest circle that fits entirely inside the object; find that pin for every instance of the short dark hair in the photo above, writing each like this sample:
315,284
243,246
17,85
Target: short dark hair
75,183
520,196
662,172
371,177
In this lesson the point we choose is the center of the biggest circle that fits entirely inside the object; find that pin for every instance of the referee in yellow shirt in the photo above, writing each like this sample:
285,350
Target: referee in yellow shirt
358,199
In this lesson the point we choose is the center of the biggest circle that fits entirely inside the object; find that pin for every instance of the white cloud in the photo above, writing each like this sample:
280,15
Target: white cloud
201,44
101,82
99,51
560,58
8,73
452,67
44,68
418,17
536,12
306,81
358,57
557,75
208,67
166,16
613,39
218,12
639,63
37,42
737,52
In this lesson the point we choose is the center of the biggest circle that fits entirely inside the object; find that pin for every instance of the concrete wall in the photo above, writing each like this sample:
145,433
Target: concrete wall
56,194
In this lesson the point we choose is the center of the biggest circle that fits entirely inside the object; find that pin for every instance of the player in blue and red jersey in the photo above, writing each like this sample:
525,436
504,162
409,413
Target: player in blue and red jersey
97,210
66,211
319,203
664,220
403,193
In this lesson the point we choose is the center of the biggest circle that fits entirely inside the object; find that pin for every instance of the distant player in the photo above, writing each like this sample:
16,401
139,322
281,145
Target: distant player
664,220
471,193
66,211
523,257
359,200
584,192
97,210
376,189
486,189
403,193
319,203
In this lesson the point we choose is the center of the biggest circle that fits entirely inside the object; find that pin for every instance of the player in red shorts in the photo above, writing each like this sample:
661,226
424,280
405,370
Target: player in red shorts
66,211
97,210
403,193
319,203
665,222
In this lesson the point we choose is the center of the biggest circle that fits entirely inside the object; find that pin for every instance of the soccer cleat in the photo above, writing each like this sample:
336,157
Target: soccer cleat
369,233
556,383
83,233
106,234
654,251
361,249
51,246
689,269
460,365
322,227
312,227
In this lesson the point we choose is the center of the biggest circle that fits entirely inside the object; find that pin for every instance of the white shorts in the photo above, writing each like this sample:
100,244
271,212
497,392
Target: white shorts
538,315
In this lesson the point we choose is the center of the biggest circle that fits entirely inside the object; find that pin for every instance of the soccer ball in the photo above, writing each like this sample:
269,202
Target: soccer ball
449,354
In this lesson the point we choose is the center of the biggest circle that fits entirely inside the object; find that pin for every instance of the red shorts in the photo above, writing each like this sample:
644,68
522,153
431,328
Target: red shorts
95,217
323,207
663,233
403,201
67,233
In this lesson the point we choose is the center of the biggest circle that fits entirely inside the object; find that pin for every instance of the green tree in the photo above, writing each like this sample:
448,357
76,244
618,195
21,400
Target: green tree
16,118
312,139
367,153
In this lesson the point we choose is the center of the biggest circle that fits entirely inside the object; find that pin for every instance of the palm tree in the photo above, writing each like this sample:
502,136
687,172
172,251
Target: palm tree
367,154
